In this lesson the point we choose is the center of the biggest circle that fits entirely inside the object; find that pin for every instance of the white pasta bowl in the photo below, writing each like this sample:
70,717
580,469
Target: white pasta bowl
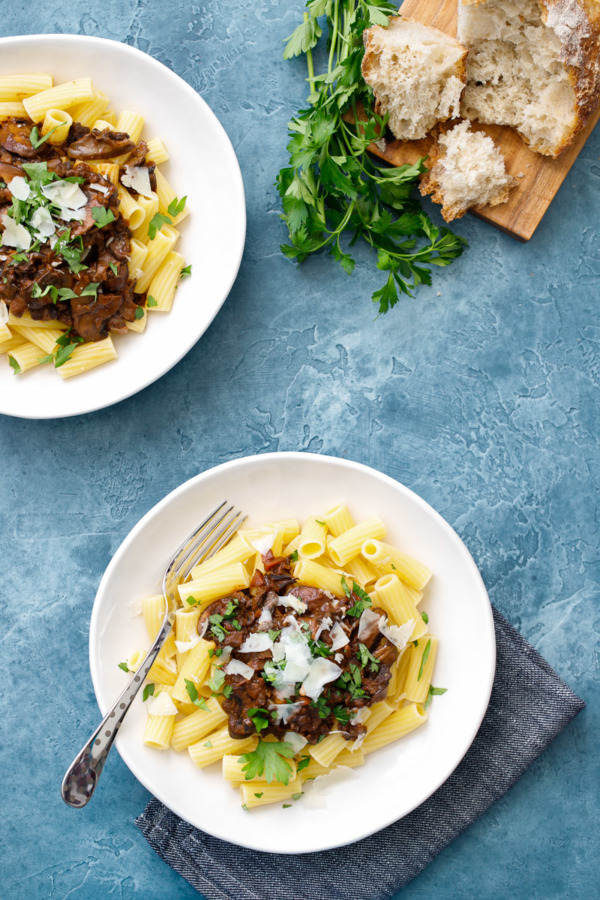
202,166
396,778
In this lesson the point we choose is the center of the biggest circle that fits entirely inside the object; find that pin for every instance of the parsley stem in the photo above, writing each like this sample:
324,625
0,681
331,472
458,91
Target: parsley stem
310,64
334,35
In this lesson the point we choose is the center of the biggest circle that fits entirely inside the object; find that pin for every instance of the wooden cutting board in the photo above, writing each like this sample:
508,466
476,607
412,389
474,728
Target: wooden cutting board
538,177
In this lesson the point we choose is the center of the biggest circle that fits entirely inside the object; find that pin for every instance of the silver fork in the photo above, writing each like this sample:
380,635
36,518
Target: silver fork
213,533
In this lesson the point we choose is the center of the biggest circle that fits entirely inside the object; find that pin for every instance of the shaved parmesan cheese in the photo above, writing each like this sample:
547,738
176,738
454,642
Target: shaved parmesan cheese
137,178
19,188
338,657
135,606
297,664
315,796
44,224
225,656
3,313
324,626
338,636
203,628
15,235
361,716
256,643
99,187
285,692
322,671
266,618
170,664
296,740
184,646
367,620
399,635
292,602
70,215
237,667
161,705
358,742
263,544
66,194
283,711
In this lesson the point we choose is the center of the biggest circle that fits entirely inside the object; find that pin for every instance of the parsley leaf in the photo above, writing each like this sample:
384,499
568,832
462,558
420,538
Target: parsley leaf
274,633
176,207
193,695
333,192
151,301
259,794
217,680
342,714
294,556
321,705
185,272
259,721
303,763
208,744
14,365
124,666
424,659
363,599
113,268
425,618
139,312
269,759
36,141
102,216
366,656
433,692
148,691
156,223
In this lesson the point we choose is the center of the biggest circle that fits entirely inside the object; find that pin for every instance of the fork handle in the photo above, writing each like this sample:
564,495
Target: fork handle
82,775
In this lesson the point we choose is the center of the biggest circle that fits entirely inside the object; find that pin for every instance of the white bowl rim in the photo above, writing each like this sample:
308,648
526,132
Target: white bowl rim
236,174
486,675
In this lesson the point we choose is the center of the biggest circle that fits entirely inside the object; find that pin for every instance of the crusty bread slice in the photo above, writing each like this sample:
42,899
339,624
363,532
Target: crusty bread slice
532,64
417,74
466,170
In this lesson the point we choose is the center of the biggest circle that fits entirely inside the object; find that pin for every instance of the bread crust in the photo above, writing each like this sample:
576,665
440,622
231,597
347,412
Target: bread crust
369,39
429,183
576,23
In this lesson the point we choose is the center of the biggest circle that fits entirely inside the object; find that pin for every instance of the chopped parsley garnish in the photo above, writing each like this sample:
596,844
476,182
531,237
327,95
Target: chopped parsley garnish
271,759
208,744
319,648
303,763
271,670
18,257
363,599
66,345
193,695
424,659
230,609
297,796
366,656
425,618
156,223
318,521
227,690
185,272
259,795
191,601
351,681
434,692
70,252
257,717
139,312
274,633
14,365
124,666
243,804
114,269
216,628
287,805
342,714
294,556
217,680
102,217
151,301
148,691
36,140
321,705
176,207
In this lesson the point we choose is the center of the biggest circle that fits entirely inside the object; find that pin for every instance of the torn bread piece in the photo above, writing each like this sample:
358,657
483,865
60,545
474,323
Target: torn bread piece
417,74
466,170
532,64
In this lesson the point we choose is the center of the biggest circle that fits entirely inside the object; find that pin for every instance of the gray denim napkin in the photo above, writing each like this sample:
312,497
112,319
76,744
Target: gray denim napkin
529,706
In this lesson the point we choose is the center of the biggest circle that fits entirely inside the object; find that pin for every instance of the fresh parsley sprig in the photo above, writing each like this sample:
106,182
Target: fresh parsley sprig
271,759
332,188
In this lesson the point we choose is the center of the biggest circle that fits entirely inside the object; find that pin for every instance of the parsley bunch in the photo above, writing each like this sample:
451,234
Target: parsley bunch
332,187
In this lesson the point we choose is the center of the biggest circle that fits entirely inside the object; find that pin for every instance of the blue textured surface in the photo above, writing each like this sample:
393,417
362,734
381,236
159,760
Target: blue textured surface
483,400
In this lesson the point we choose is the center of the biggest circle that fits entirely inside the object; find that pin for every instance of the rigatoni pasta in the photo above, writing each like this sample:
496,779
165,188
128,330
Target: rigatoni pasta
284,667
103,227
